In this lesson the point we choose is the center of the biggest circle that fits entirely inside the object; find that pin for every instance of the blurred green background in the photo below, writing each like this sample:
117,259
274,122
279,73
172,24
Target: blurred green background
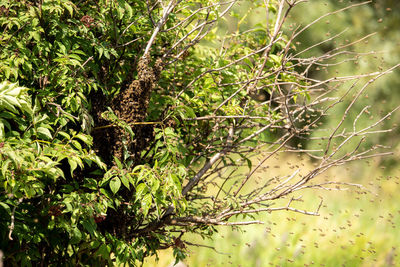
355,228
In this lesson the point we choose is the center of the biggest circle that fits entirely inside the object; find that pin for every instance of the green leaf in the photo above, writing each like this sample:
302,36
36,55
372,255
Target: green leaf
89,226
76,236
99,163
44,132
155,185
76,144
190,112
125,181
35,35
6,72
90,183
129,11
119,164
130,179
146,203
85,138
104,251
176,181
73,165
65,135
2,131
249,163
141,189
6,207
11,100
4,104
101,51
115,184
169,131
106,193
276,59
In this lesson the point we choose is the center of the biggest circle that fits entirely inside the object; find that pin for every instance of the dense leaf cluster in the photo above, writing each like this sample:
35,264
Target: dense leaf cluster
61,61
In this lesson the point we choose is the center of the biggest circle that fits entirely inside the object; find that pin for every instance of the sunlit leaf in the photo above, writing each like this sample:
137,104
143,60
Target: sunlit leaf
44,132
115,184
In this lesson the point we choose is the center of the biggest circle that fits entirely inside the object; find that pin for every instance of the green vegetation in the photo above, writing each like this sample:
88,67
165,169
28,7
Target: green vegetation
354,229
128,127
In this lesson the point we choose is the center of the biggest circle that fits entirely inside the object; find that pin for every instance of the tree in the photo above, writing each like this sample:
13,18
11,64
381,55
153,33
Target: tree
377,19
125,124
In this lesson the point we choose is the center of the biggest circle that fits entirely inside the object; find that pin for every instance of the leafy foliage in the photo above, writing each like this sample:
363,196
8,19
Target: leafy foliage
118,118
59,187
54,188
